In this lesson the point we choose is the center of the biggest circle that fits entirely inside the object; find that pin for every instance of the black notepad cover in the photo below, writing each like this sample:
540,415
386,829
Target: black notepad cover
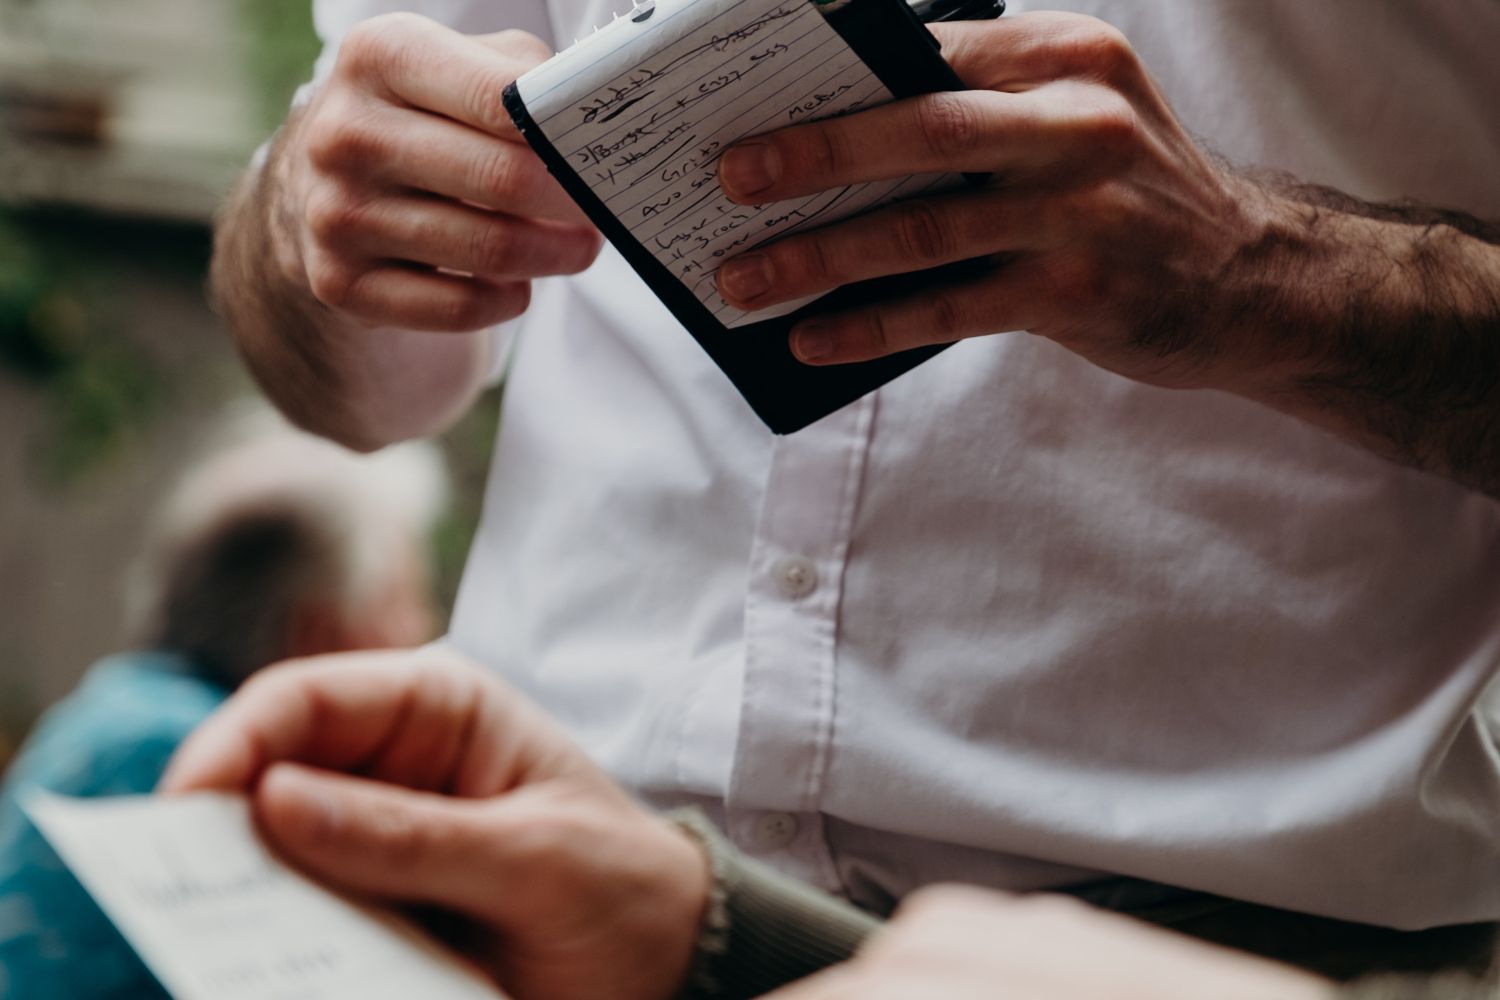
785,393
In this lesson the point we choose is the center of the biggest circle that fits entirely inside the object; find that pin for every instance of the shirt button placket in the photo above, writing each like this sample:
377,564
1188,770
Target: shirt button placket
775,831
787,711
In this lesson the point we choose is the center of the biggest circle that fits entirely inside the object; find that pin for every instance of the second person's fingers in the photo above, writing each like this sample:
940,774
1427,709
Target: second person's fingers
335,711
379,840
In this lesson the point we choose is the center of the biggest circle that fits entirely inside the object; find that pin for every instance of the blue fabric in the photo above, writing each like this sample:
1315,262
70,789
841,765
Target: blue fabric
112,736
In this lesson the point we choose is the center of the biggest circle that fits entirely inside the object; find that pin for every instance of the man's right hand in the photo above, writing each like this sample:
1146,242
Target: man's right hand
404,197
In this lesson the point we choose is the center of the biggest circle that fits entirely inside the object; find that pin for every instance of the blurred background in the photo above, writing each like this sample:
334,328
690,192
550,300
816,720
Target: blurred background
122,125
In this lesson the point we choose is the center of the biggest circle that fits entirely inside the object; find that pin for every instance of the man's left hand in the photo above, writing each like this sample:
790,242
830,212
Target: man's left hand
1106,228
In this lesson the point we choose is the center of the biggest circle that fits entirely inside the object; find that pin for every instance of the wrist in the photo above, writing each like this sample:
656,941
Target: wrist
1298,275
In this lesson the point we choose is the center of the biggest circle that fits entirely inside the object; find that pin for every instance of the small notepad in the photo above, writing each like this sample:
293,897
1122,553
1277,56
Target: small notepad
643,110
633,119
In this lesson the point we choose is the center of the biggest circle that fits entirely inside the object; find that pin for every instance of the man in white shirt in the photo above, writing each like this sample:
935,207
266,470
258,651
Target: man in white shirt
1013,619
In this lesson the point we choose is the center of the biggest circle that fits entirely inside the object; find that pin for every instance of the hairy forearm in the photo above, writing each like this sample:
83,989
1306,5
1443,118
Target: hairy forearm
1384,327
362,387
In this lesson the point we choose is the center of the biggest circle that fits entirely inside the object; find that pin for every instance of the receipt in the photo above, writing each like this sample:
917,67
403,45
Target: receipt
215,915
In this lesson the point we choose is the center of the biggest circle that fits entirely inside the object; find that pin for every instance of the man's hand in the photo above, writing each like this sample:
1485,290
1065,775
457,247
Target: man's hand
415,777
399,202
406,197
1105,228
967,944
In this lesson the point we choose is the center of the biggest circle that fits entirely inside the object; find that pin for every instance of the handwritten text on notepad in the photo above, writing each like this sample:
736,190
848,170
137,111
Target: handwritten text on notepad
643,111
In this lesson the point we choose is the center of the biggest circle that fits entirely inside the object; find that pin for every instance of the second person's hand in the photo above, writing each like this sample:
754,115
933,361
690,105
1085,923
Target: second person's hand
418,778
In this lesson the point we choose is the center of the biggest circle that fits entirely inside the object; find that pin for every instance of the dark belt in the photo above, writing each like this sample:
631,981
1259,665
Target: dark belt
1339,949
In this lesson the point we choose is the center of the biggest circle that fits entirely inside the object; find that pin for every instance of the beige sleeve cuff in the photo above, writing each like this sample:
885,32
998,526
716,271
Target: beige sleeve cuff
763,929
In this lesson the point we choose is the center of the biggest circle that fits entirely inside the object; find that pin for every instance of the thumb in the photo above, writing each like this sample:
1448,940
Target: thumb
379,840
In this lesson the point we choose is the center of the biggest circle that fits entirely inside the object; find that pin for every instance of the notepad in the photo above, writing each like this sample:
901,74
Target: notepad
217,917
643,110
633,119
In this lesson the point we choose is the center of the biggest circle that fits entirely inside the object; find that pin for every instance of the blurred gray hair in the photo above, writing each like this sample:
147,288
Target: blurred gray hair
268,521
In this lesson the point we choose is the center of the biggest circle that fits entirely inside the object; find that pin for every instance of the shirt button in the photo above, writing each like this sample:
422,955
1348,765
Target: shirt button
796,576
774,831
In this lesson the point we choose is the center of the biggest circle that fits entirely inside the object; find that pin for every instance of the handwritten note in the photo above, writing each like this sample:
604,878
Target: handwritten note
643,109
215,915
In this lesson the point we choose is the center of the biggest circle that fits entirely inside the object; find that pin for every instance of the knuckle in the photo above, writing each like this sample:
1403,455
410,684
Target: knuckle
339,142
1077,278
945,318
1104,51
332,214
372,43
469,309
589,246
359,50
922,235
325,147
434,672
515,299
484,97
524,45
879,337
332,282
948,123
544,842
493,249
268,682
1114,125
823,152
807,258
497,174
398,835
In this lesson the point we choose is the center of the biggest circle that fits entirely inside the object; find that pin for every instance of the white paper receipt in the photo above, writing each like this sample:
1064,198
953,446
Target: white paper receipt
215,915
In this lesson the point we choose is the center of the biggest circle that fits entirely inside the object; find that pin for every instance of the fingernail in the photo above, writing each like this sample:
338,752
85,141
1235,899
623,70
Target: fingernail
746,277
812,342
749,168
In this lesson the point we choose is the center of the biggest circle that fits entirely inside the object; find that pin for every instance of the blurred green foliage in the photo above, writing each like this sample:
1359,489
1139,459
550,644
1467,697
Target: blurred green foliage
63,334
281,47
55,334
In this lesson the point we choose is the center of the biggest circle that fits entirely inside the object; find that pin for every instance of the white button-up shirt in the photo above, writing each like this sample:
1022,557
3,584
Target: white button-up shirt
1012,619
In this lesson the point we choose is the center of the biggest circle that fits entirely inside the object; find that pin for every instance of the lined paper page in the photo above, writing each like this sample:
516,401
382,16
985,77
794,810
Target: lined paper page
217,917
642,110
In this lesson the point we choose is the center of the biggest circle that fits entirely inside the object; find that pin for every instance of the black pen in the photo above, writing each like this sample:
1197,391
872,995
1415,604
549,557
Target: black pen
934,11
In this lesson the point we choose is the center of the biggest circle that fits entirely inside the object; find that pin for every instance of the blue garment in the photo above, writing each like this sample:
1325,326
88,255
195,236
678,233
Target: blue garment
111,736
